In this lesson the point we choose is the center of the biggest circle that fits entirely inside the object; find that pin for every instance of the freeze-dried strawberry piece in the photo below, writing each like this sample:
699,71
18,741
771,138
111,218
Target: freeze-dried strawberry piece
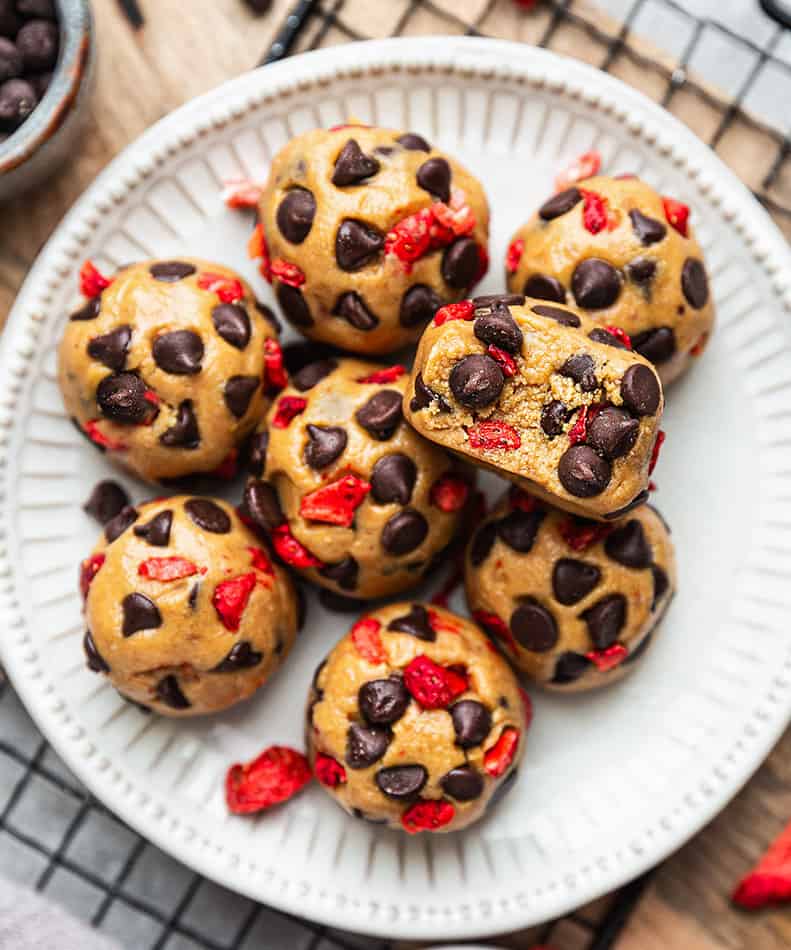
366,640
608,659
769,882
329,771
497,759
387,375
495,627
660,438
410,238
92,280
456,217
432,685
228,289
519,498
230,599
493,434
228,467
514,255
290,551
275,372
579,534
336,502
528,5
438,622
677,214
506,361
275,776
89,568
288,408
620,335
585,166
596,213
260,561
463,310
287,273
579,431
241,192
427,815
700,345
449,493
258,248
95,434
167,568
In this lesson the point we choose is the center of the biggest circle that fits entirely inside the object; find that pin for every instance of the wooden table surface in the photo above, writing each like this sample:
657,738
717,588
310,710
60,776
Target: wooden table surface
187,48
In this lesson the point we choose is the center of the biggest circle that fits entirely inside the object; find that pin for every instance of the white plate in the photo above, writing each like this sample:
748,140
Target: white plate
612,782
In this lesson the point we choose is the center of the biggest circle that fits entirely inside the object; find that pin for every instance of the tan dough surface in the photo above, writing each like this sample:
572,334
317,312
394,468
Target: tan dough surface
555,247
521,555
422,737
545,348
150,308
171,667
379,202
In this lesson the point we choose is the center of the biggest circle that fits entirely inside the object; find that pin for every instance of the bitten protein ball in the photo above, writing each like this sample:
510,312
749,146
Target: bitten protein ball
572,603
415,721
365,232
185,611
348,493
165,366
627,257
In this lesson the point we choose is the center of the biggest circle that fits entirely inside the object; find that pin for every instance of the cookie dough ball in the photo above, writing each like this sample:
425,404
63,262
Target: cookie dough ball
350,496
365,232
414,721
544,397
572,603
185,612
164,369
626,256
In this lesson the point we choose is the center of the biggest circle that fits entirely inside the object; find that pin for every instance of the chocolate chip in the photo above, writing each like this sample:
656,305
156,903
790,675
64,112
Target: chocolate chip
207,515
259,443
638,500
140,613
325,444
169,272
178,352
38,42
647,230
121,397
341,604
381,414
352,308
184,433
90,311
613,432
238,392
629,546
261,505
106,501
519,528
344,573
418,305
404,531
157,530
232,323
640,390
241,656
482,543
383,701
570,667
582,472
392,479
572,580
694,283
559,204
545,287
554,417
169,692
600,335
534,626
294,305
401,782
476,381
295,214
17,100
424,397
461,263
641,272
116,526
657,345
356,244
499,328
416,623
312,374
564,317
10,60
93,659
192,600
605,620
462,783
353,166
365,745
110,348
433,176
581,368
471,722
661,584
595,284
413,142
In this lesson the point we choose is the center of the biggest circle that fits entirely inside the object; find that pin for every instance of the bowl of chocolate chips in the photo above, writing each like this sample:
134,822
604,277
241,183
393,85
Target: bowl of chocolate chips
46,59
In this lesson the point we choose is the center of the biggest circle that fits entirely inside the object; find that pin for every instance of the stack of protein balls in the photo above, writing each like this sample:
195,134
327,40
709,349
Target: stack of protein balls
363,474
29,46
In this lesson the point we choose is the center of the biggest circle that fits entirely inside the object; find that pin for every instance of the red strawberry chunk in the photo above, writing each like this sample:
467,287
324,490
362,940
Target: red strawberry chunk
89,568
596,213
449,493
367,641
167,568
329,771
335,503
260,561
287,273
620,334
92,281
95,434
290,551
677,214
769,882
387,375
579,534
495,627
438,622
276,375
432,685
228,289
579,431
241,193
585,166
660,439
506,361
464,310
410,238
427,815
493,434
608,659
699,345
514,255
258,248
288,408
275,776
230,599
498,759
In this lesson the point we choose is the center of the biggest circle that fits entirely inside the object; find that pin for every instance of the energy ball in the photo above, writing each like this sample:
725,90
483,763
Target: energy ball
541,395
627,257
365,232
572,603
165,366
415,721
185,612
349,495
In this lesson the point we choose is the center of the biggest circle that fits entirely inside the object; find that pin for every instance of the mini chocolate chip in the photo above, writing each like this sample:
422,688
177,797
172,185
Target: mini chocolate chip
647,230
169,272
518,529
110,348
313,373
572,580
157,530
184,433
241,656
207,515
356,244
461,263
90,311
413,142
38,42
416,623
353,166
570,667
17,100
404,531
325,444
476,381
381,414
344,573
605,620
499,328
295,214
418,305
116,526
401,782
238,392
169,692
694,283
462,783
352,308
629,546
482,543
178,352
434,176
564,317
581,368
10,60
595,284
641,272
192,600
471,722
121,397
534,626
657,345
613,432
259,443
294,305
140,613
554,417
93,659
232,323
640,390
383,701
600,335
661,584
638,500
424,397
582,472
365,745
392,479
384,150
559,204
106,501
261,505
341,604
545,287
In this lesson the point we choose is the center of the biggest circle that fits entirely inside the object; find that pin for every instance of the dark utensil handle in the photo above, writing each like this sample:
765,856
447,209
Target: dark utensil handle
779,11
289,32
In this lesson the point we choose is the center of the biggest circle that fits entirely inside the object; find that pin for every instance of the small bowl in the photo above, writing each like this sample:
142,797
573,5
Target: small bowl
46,138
